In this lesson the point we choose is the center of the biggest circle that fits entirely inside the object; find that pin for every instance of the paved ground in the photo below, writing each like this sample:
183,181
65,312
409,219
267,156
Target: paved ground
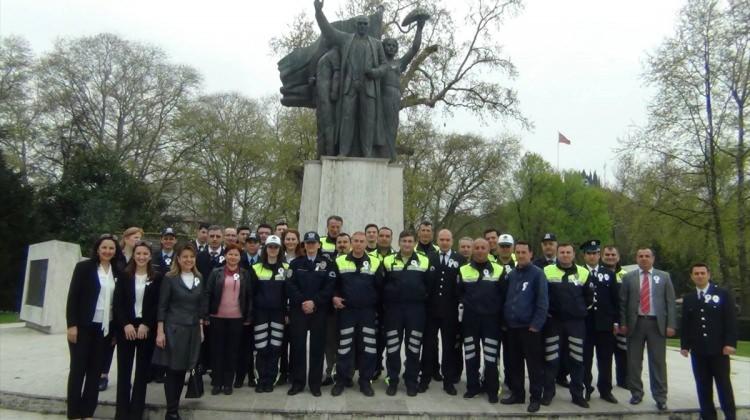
34,368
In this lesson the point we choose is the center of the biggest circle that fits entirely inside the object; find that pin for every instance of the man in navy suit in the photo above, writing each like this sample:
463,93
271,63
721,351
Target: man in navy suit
709,335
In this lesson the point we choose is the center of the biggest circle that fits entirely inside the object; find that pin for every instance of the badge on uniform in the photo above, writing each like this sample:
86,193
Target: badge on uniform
323,265
656,279
606,277
415,263
453,263
366,265
508,268
707,297
236,276
486,272
715,298
600,276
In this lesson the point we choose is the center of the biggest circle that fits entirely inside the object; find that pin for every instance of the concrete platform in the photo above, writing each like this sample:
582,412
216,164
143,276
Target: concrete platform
34,369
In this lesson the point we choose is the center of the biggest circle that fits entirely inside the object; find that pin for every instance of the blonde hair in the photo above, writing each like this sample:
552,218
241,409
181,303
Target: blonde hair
175,270
130,232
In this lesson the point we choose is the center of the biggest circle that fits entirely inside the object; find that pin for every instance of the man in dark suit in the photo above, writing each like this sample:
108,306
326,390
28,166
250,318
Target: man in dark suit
166,255
647,315
213,256
709,334
442,314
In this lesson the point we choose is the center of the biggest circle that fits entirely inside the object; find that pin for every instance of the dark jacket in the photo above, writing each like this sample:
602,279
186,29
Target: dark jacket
269,293
84,292
542,262
245,260
177,303
311,281
604,310
206,263
481,292
710,324
442,295
406,281
163,264
358,281
215,288
124,301
568,299
527,302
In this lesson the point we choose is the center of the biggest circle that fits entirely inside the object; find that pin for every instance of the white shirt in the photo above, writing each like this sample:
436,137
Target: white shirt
188,279
704,290
650,291
140,290
103,312
446,258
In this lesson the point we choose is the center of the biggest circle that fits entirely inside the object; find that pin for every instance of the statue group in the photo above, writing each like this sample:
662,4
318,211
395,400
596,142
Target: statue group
353,80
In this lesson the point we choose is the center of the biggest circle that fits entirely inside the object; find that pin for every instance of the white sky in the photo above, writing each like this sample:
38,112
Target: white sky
579,61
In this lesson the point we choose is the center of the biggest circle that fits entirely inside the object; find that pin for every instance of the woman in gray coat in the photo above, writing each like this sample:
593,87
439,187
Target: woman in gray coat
179,330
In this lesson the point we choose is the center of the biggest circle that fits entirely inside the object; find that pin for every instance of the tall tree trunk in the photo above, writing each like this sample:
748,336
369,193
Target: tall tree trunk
740,163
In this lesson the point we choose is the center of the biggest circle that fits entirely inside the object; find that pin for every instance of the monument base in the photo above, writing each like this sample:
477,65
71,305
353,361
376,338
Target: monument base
360,190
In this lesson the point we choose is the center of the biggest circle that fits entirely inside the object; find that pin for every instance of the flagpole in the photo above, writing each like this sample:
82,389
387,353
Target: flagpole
558,155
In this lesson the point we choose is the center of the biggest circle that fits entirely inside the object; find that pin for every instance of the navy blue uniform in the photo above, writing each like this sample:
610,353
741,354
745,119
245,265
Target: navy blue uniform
603,313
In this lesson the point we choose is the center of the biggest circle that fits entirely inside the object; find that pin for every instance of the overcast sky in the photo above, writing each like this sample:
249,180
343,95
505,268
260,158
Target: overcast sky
579,61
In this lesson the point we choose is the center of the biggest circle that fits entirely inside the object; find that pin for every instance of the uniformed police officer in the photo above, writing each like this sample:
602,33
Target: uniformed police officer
425,238
269,306
709,335
601,322
549,251
568,300
507,259
481,293
310,289
442,315
166,255
405,285
334,225
358,280
611,260
385,234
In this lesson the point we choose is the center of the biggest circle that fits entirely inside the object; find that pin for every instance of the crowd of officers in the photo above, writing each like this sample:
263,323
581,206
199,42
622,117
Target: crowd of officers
364,304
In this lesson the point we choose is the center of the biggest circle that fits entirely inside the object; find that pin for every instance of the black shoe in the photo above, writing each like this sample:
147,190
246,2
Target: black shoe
422,387
259,389
470,394
581,402
563,382
252,383
349,383
174,416
588,394
315,391
437,377
366,389
635,400
159,379
392,389
661,406
492,398
512,399
337,389
609,398
103,383
215,390
295,389
377,374
533,407
546,400
449,389
269,388
327,381
411,391
228,390
239,383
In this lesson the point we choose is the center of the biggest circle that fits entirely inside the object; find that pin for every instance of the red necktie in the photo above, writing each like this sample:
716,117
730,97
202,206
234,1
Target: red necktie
645,292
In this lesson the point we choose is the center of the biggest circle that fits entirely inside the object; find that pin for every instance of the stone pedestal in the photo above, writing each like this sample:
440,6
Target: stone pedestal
360,190
49,268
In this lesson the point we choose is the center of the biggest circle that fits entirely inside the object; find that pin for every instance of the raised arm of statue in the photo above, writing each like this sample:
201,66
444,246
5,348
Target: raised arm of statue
416,43
331,34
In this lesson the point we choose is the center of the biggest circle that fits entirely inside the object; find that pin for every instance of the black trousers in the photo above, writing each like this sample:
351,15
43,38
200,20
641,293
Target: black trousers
285,357
245,359
481,337
269,337
85,367
525,345
621,360
707,370
225,346
404,323
380,327
131,398
109,350
174,381
571,332
448,327
204,359
603,342
506,357
299,325
356,337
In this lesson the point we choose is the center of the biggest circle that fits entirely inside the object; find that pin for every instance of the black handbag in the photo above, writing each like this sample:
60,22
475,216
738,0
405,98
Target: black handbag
194,385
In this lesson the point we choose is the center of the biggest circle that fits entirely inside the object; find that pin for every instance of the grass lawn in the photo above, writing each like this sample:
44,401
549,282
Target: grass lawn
743,347
8,317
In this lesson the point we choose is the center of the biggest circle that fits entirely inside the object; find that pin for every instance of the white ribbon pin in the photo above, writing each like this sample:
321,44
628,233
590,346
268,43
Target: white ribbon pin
656,279
715,299
236,276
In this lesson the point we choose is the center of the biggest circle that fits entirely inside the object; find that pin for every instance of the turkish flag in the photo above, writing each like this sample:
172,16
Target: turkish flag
562,139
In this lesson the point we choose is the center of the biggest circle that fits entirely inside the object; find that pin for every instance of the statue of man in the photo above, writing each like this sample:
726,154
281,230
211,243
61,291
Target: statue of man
326,95
359,107
391,84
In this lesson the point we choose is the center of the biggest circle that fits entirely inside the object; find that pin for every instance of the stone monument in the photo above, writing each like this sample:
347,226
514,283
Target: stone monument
49,268
352,79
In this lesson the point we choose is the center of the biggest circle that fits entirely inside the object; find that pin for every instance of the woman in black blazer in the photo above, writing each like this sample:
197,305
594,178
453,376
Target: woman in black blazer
226,305
179,331
88,314
136,300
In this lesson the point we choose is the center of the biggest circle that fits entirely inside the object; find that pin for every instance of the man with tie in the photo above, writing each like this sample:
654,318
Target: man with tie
201,237
647,315
709,335
214,255
549,251
442,315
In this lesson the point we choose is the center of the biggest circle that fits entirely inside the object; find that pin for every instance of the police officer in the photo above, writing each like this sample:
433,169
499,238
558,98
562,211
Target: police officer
611,260
385,234
442,315
709,336
568,300
549,251
601,322
358,279
166,255
507,259
425,237
328,242
310,289
269,303
481,293
405,285
371,231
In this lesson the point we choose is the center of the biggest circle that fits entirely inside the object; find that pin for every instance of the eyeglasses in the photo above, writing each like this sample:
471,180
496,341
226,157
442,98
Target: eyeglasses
143,243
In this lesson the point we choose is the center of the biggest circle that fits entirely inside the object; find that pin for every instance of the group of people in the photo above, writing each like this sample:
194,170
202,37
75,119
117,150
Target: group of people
243,305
